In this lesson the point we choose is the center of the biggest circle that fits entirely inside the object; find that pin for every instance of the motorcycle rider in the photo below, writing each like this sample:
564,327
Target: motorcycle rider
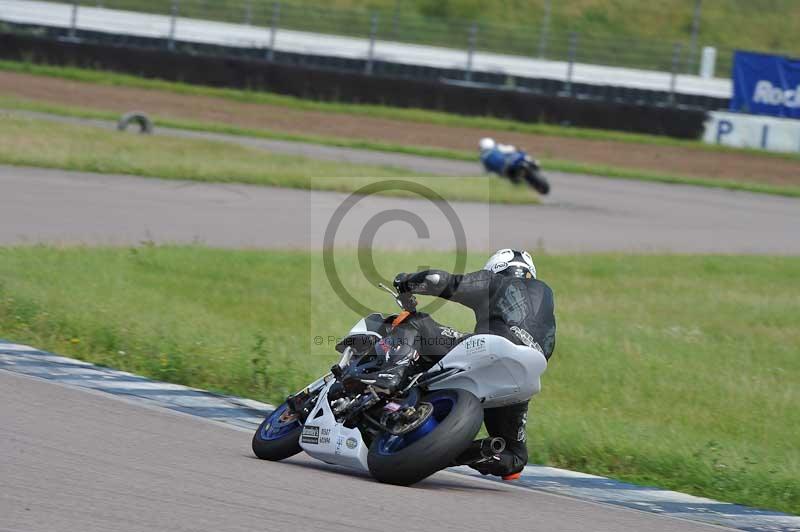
508,301
494,156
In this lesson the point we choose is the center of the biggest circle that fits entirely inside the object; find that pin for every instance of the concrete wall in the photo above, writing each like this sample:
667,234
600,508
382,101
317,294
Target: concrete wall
753,131
327,84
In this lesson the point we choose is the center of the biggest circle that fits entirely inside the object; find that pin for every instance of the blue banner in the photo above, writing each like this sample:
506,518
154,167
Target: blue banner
765,84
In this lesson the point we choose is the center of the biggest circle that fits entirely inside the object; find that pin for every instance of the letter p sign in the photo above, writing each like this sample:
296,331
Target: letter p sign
724,127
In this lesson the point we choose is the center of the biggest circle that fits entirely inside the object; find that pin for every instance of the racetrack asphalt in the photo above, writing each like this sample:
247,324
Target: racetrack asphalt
583,214
77,460
71,459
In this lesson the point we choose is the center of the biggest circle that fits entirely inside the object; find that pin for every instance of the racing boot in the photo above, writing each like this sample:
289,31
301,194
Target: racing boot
509,423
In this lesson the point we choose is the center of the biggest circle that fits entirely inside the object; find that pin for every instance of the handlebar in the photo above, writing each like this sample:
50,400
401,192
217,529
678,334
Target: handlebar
405,301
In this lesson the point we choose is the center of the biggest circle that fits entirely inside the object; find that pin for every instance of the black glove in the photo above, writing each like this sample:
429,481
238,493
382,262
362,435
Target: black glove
407,301
401,283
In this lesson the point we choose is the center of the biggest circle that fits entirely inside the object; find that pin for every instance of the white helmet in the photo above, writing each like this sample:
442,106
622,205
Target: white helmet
519,263
487,144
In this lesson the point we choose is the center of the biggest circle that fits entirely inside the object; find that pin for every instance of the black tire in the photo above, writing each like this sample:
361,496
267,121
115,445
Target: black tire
537,181
434,451
277,449
543,185
141,119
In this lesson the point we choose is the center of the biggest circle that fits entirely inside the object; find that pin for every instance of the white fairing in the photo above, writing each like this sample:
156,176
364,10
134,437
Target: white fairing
329,441
359,328
495,370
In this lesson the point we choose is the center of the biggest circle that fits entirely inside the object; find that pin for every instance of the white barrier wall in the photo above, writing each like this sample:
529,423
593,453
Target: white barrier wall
753,131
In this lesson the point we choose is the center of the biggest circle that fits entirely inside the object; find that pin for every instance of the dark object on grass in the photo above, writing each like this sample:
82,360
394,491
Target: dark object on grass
145,124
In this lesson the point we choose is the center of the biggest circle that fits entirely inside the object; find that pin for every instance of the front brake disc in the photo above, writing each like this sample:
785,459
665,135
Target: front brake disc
423,411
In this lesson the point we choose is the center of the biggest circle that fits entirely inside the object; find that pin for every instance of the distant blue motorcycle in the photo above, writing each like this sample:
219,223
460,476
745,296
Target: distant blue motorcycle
516,165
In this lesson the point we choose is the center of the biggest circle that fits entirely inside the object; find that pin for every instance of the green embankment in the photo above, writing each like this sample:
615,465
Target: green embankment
41,143
678,371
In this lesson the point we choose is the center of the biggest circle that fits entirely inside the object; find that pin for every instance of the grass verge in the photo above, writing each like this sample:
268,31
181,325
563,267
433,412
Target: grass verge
548,164
378,111
679,371
30,142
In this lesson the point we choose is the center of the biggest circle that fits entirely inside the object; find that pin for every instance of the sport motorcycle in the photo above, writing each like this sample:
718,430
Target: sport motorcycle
517,166
386,409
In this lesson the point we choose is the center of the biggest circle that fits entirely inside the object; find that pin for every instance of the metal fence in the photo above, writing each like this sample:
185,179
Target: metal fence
545,39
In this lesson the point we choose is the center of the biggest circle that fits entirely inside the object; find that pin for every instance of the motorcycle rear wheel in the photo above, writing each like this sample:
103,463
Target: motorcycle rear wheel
407,459
535,179
278,436
542,185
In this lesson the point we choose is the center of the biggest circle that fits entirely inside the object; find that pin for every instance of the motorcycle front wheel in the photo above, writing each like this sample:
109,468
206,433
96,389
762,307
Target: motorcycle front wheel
278,436
406,459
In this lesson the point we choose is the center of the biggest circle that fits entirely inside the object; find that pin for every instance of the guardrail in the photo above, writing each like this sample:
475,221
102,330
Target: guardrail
540,41
304,77
662,95
198,22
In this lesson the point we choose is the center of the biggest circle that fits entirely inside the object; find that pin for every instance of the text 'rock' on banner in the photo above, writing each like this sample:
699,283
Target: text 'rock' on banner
766,84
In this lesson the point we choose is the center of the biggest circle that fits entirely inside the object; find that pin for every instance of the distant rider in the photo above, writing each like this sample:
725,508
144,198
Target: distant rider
495,157
508,161
508,301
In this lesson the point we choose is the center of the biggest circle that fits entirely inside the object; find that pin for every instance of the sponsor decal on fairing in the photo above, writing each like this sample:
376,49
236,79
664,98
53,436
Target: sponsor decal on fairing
310,435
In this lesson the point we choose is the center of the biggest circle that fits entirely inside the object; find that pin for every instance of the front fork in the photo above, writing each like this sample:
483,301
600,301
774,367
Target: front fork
301,403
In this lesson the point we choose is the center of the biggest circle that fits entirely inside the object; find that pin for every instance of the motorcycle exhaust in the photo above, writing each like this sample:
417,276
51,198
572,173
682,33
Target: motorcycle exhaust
481,450
492,446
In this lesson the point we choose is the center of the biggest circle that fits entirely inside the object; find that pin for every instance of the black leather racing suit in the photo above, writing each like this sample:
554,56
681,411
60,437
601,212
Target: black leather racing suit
517,308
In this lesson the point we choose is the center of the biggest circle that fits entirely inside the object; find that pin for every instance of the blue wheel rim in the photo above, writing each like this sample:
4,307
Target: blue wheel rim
279,424
443,404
